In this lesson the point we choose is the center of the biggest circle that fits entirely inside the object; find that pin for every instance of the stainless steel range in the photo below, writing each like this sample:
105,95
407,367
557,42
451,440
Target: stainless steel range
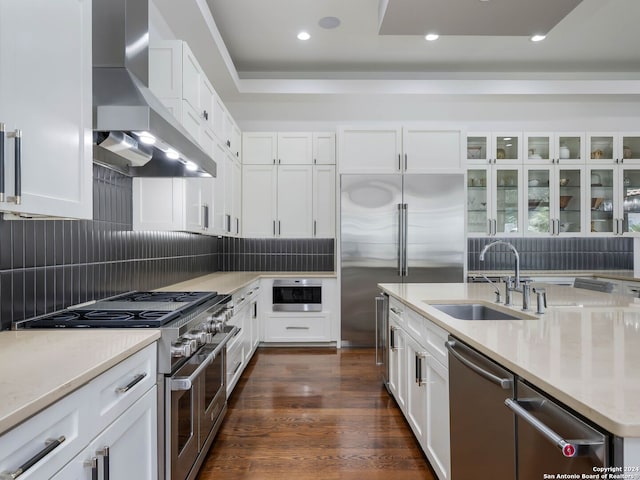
191,363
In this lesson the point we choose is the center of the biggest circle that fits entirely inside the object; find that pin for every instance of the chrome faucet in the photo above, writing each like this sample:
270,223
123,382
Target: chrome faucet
515,285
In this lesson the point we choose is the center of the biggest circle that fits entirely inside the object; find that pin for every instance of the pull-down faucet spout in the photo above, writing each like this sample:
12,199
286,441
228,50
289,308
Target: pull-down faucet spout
515,253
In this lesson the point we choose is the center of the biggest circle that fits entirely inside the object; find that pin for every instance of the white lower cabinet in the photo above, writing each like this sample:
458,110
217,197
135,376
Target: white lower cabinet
126,449
113,419
297,327
419,381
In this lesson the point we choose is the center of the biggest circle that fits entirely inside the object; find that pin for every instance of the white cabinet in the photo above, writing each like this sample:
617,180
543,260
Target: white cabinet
278,200
615,207
295,148
419,381
127,448
98,415
396,150
324,201
500,148
324,148
45,94
259,148
161,203
288,148
235,198
555,148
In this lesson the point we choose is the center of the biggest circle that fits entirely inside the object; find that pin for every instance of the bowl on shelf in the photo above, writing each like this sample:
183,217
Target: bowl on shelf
564,201
564,227
533,204
596,202
534,182
564,182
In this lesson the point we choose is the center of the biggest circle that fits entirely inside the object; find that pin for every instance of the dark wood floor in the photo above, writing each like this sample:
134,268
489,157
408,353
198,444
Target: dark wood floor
313,414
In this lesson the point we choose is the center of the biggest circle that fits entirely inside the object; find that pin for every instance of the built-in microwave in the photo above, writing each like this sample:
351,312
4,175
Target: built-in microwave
297,295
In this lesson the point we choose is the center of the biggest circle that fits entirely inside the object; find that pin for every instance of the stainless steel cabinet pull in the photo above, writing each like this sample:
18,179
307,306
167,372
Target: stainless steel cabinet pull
237,225
104,453
395,310
399,162
621,227
227,221
392,338
93,464
279,228
405,161
315,228
17,136
419,380
405,235
50,446
2,133
489,226
236,368
137,379
297,328
569,448
400,242
205,217
205,115
274,228
504,383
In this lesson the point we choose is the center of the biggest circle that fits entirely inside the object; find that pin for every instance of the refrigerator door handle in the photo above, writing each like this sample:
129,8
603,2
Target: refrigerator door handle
569,448
405,235
379,314
400,239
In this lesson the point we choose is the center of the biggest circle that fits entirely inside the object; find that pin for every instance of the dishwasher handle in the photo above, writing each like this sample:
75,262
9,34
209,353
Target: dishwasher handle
569,448
504,383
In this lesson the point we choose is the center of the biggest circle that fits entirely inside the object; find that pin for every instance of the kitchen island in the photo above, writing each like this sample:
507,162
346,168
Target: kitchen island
584,351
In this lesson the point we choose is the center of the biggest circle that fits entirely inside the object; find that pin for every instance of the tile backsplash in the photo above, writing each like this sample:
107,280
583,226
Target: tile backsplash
579,253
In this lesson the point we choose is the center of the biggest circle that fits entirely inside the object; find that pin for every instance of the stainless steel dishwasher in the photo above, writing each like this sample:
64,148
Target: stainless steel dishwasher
552,440
482,428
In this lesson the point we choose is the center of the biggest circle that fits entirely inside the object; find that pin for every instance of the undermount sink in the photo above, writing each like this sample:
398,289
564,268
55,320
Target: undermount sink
474,311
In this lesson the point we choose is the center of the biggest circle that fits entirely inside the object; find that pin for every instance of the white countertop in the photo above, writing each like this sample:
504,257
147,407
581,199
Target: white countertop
230,282
585,350
612,274
39,367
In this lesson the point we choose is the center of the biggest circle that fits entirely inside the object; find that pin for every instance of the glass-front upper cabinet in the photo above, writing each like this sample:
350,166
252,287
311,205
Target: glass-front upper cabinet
478,221
538,219
569,193
602,148
547,147
496,148
505,209
630,147
629,211
602,194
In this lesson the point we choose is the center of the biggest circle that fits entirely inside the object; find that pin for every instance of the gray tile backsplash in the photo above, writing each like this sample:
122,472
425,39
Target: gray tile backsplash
578,253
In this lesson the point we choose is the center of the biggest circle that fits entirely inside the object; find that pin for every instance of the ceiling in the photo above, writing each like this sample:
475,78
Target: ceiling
254,41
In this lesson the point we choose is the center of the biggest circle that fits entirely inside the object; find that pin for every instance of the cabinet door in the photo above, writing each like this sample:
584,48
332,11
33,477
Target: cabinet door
132,446
158,203
165,69
220,190
416,413
295,201
230,171
428,151
324,201
602,200
479,148
569,148
570,200
374,150
237,196
437,425
197,204
602,148
324,148
259,197
191,121
507,148
478,208
236,141
629,205
538,220
294,148
539,147
191,80
259,148
207,102
45,94
630,147
506,206
397,365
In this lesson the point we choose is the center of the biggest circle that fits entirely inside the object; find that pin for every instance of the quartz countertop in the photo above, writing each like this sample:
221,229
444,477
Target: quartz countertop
230,282
612,274
584,351
39,367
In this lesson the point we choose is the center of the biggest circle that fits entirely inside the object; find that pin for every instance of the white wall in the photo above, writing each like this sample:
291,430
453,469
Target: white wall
490,112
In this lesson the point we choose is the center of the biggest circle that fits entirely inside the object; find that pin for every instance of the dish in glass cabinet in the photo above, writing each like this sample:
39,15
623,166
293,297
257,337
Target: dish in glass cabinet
564,182
564,201
596,202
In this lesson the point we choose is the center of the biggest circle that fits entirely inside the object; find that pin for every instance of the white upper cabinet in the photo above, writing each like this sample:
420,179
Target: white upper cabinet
259,206
399,150
324,201
429,151
259,148
500,148
45,108
295,148
295,209
555,148
370,150
324,148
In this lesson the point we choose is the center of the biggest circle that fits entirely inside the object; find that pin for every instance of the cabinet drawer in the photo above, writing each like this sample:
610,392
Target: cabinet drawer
310,328
396,310
415,325
69,418
435,342
117,389
235,362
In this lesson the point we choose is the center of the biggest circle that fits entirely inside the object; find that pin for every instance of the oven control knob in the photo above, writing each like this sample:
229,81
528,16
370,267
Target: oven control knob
184,349
199,336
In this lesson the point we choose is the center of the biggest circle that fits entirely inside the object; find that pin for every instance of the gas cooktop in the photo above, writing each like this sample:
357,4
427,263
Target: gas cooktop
129,310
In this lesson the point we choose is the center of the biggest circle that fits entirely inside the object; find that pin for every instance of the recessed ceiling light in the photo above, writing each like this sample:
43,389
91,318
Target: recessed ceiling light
304,36
431,37
538,37
329,22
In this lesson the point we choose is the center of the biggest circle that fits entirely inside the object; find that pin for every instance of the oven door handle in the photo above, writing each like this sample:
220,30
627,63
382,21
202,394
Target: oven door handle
186,383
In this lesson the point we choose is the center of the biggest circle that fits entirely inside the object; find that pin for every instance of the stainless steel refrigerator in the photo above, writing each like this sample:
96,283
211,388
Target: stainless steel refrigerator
396,228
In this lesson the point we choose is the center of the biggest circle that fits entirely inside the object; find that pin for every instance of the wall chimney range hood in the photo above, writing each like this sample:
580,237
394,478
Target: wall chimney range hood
133,130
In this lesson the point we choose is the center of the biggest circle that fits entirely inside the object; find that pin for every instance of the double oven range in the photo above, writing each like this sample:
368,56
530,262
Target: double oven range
191,363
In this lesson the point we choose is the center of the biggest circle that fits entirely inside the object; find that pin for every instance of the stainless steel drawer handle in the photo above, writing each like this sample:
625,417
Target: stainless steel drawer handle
297,328
504,383
50,445
236,368
93,464
395,310
569,448
104,453
2,134
137,379
17,136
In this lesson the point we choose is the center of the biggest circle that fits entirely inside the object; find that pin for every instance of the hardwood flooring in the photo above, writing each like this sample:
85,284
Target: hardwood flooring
313,414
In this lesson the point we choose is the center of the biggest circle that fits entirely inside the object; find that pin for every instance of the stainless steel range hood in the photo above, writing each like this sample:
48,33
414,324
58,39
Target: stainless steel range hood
123,105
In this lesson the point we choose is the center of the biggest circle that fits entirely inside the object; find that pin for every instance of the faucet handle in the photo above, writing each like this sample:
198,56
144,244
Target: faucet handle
541,296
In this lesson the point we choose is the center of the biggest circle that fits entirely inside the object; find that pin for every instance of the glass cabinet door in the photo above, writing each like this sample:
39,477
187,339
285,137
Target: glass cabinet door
631,148
478,147
477,206
570,147
570,204
601,201
538,218
601,148
507,148
539,147
507,203
630,200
